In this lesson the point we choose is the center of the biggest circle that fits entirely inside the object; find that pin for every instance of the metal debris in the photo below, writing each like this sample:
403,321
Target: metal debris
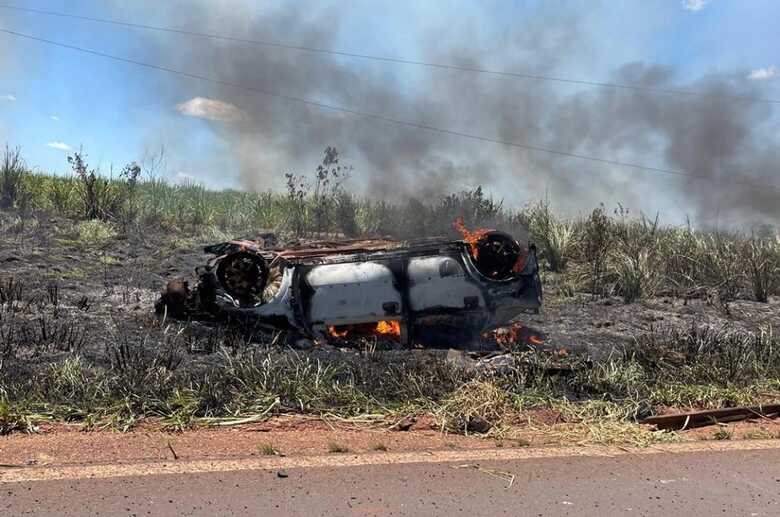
682,421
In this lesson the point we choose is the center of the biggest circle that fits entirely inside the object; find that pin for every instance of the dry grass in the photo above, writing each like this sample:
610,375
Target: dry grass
266,449
13,419
722,433
337,448
143,370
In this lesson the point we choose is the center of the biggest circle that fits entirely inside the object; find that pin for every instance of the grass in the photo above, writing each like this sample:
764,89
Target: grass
94,233
722,433
604,253
337,448
46,371
13,173
266,449
13,419
381,447
759,434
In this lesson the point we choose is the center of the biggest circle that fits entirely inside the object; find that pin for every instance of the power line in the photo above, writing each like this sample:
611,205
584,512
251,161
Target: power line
379,117
399,60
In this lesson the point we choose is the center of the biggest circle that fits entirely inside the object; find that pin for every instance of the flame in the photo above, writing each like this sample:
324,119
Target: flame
387,328
516,334
471,238
392,327
334,332
520,264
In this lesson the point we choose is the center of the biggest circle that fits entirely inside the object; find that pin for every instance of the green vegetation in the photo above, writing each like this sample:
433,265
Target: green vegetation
94,233
13,418
266,449
13,173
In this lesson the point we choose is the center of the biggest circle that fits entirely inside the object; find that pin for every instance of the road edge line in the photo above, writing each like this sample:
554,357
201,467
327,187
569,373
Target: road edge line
203,466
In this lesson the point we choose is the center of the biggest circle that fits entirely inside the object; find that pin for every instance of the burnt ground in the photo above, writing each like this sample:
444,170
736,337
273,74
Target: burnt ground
598,326
97,287
65,290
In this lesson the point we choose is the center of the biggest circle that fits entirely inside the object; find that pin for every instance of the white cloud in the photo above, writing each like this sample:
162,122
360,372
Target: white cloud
694,5
55,118
60,146
7,97
764,73
211,109
183,177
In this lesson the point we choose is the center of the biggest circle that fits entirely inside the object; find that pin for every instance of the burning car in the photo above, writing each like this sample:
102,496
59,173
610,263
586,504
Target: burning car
428,292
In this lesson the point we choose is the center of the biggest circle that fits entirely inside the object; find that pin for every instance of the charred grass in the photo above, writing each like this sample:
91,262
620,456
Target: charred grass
161,373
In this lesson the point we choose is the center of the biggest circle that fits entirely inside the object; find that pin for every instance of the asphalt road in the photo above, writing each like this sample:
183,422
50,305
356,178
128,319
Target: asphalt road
731,483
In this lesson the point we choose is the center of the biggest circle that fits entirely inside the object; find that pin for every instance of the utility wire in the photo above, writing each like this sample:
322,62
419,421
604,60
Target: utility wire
399,60
364,114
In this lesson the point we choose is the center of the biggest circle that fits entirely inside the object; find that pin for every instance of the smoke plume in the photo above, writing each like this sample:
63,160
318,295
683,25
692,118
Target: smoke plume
729,145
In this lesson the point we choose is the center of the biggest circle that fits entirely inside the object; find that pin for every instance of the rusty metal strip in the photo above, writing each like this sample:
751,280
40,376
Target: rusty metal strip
681,421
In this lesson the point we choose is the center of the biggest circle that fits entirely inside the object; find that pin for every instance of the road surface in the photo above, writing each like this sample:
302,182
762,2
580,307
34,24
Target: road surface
730,482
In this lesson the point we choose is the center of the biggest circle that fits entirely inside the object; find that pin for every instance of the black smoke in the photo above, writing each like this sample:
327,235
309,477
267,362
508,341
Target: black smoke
729,144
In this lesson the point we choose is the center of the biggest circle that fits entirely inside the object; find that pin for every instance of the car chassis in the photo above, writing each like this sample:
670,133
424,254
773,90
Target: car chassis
435,292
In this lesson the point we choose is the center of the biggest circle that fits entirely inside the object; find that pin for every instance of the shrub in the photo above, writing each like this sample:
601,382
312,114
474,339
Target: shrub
102,198
327,185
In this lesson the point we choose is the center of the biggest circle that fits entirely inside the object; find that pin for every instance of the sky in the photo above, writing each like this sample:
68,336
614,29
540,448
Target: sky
54,101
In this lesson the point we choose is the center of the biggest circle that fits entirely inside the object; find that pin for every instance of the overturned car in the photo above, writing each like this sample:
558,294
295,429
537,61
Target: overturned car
425,292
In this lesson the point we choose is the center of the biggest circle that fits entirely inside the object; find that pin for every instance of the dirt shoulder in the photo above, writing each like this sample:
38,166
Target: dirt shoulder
286,436
293,436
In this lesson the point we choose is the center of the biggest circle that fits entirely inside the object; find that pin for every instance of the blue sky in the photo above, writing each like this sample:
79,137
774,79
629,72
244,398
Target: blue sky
53,100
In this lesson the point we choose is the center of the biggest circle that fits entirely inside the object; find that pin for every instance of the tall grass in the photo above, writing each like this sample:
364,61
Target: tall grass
12,176
604,253
762,257
556,237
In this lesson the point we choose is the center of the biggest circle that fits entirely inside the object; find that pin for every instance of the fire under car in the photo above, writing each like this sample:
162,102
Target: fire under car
426,292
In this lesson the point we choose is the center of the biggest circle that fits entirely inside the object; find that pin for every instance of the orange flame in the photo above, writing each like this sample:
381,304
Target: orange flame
520,264
516,334
387,328
471,238
339,333
392,327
